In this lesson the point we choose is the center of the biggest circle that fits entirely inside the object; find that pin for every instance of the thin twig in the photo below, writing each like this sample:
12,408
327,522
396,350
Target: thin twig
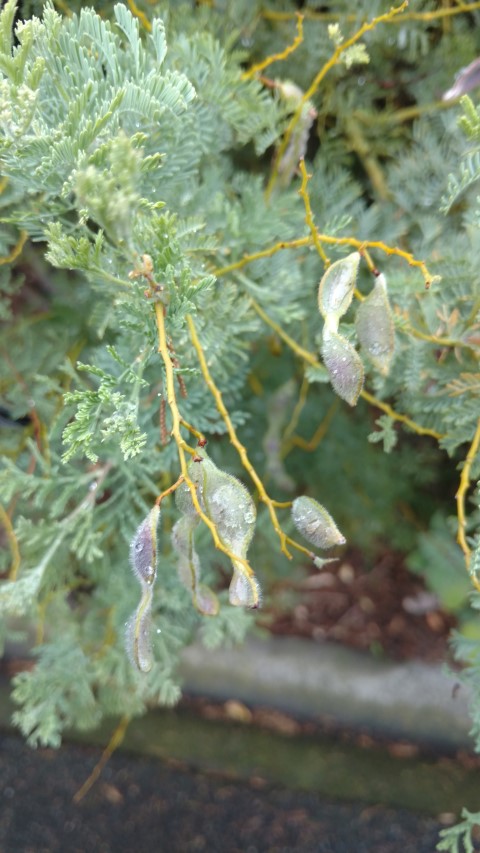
460,498
217,396
277,57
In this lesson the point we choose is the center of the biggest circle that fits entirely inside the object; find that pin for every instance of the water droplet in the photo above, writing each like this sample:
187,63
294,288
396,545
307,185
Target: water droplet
138,547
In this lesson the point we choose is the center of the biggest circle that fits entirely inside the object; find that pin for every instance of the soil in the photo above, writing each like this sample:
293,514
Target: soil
145,804
384,609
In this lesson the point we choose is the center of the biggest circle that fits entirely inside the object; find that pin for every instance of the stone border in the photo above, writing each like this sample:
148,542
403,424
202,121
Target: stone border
414,701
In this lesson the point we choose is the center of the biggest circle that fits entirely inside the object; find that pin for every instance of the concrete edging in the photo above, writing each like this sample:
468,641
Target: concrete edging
413,700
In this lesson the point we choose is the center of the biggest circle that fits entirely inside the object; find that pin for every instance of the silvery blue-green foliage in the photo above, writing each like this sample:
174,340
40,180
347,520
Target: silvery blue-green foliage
116,142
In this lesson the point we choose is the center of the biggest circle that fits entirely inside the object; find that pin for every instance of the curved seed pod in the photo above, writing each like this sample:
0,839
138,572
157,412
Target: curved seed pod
344,366
204,600
143,549
336,287
281,403
143,557
230,506
244,589
316,524
139,629
374,324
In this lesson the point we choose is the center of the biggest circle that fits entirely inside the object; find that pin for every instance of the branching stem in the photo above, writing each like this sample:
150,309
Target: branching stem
340,48
217,396
277,57
460,498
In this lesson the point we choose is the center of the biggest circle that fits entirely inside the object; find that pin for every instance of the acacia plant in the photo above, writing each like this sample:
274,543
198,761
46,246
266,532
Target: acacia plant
236,223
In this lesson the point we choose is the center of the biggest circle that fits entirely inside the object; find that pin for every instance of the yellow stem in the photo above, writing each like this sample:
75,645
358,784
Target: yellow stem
140,15
217,396
308,213
277,57
299,406
114,743
12,541
460,498
320,432
361,245
311,14
302,353
182,447
17,249
198,435
341,48
170,490
374,401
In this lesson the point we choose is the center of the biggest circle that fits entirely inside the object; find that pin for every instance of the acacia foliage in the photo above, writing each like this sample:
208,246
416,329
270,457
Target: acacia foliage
120,141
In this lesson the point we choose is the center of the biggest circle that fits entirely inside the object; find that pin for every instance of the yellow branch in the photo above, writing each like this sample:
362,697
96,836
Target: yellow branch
217,396
17,249
277,57
12,541
182,446
312,15
114,743
460,498
140,15
303,353
361,245
374,401
341,48
303,192
320,432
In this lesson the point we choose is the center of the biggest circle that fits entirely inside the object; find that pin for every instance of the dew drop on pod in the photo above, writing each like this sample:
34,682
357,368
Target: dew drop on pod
143,549
344,365
335,291
374,324
231,508
316,524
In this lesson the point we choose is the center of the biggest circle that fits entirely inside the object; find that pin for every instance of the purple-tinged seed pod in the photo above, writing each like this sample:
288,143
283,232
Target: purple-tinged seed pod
143,549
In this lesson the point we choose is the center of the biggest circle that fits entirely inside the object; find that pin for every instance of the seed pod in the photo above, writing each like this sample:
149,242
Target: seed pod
316,524
143,549
143,557
374,324
244,590
138,638
203,598
228,504
344,366
336,288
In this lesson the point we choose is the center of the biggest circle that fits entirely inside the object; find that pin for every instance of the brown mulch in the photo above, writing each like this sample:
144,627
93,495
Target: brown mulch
384,609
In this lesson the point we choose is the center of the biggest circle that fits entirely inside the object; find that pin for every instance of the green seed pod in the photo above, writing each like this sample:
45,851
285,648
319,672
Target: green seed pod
344,366
316,524
336,288
138,638
143,549
374,324
229,505
244,590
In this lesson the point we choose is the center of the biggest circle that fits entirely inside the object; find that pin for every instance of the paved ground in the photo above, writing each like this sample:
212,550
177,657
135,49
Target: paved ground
142,805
